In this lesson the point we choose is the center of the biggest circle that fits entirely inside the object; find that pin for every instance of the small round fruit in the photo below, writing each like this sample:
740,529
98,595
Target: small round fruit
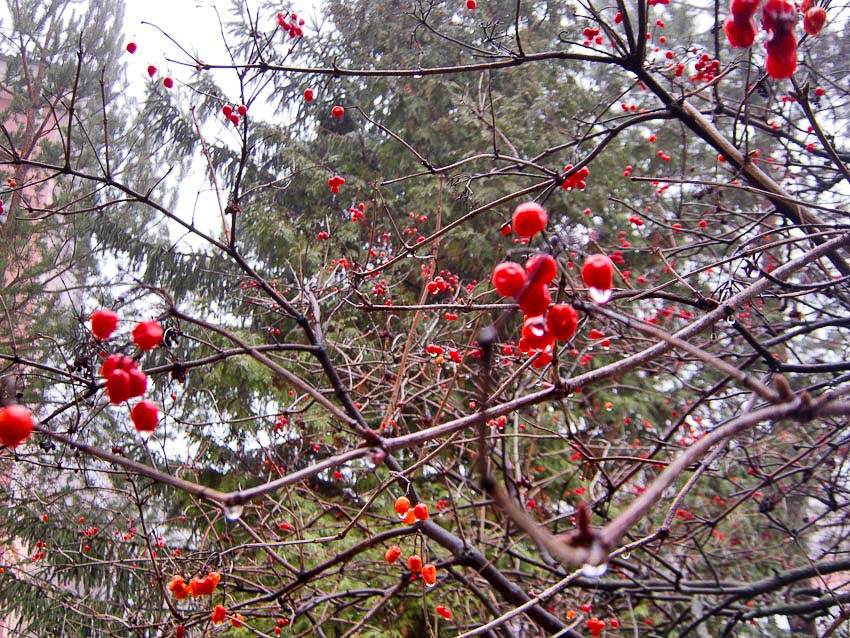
309,95
529,219
131,47
242,109
429,574
15,425
147,335
562,321
402,505
138,382
598,275
338,112
392,554
151,70
145,416
103,323
535,300
541,268
118,386
420,511
168,83
414,564
509,278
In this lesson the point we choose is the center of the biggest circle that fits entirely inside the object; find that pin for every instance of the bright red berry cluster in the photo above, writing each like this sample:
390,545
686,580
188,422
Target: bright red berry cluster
124,378
576,180
335,182
291,24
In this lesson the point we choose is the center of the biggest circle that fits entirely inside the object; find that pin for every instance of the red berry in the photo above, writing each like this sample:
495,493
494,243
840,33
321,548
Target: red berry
168,83
562,321
103,323
429,574
337,112
392,554
541,269
235,119
151,70
118,386
227,110
781,61
740,33
535,299
420,511
529,219
509,278
779,17
242,109
598,274
138,382
506,229
535,336
744,9
471,4
414,564
112,362
147,335
180,632
309,96
15,425
131,47
402,504
813,20
145,416
218,614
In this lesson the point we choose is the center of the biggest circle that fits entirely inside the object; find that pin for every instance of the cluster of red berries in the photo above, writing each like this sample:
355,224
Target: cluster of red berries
357,213
124,378
529,285
592,34
410,515
291,24
195,587
706,69
779,17
575,181
228,112
335,182
437,352
414,564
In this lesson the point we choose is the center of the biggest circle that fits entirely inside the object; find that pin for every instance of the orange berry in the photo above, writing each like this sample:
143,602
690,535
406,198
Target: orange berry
402,504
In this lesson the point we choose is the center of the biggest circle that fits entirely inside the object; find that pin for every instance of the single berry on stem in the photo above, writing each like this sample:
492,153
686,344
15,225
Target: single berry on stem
15,425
